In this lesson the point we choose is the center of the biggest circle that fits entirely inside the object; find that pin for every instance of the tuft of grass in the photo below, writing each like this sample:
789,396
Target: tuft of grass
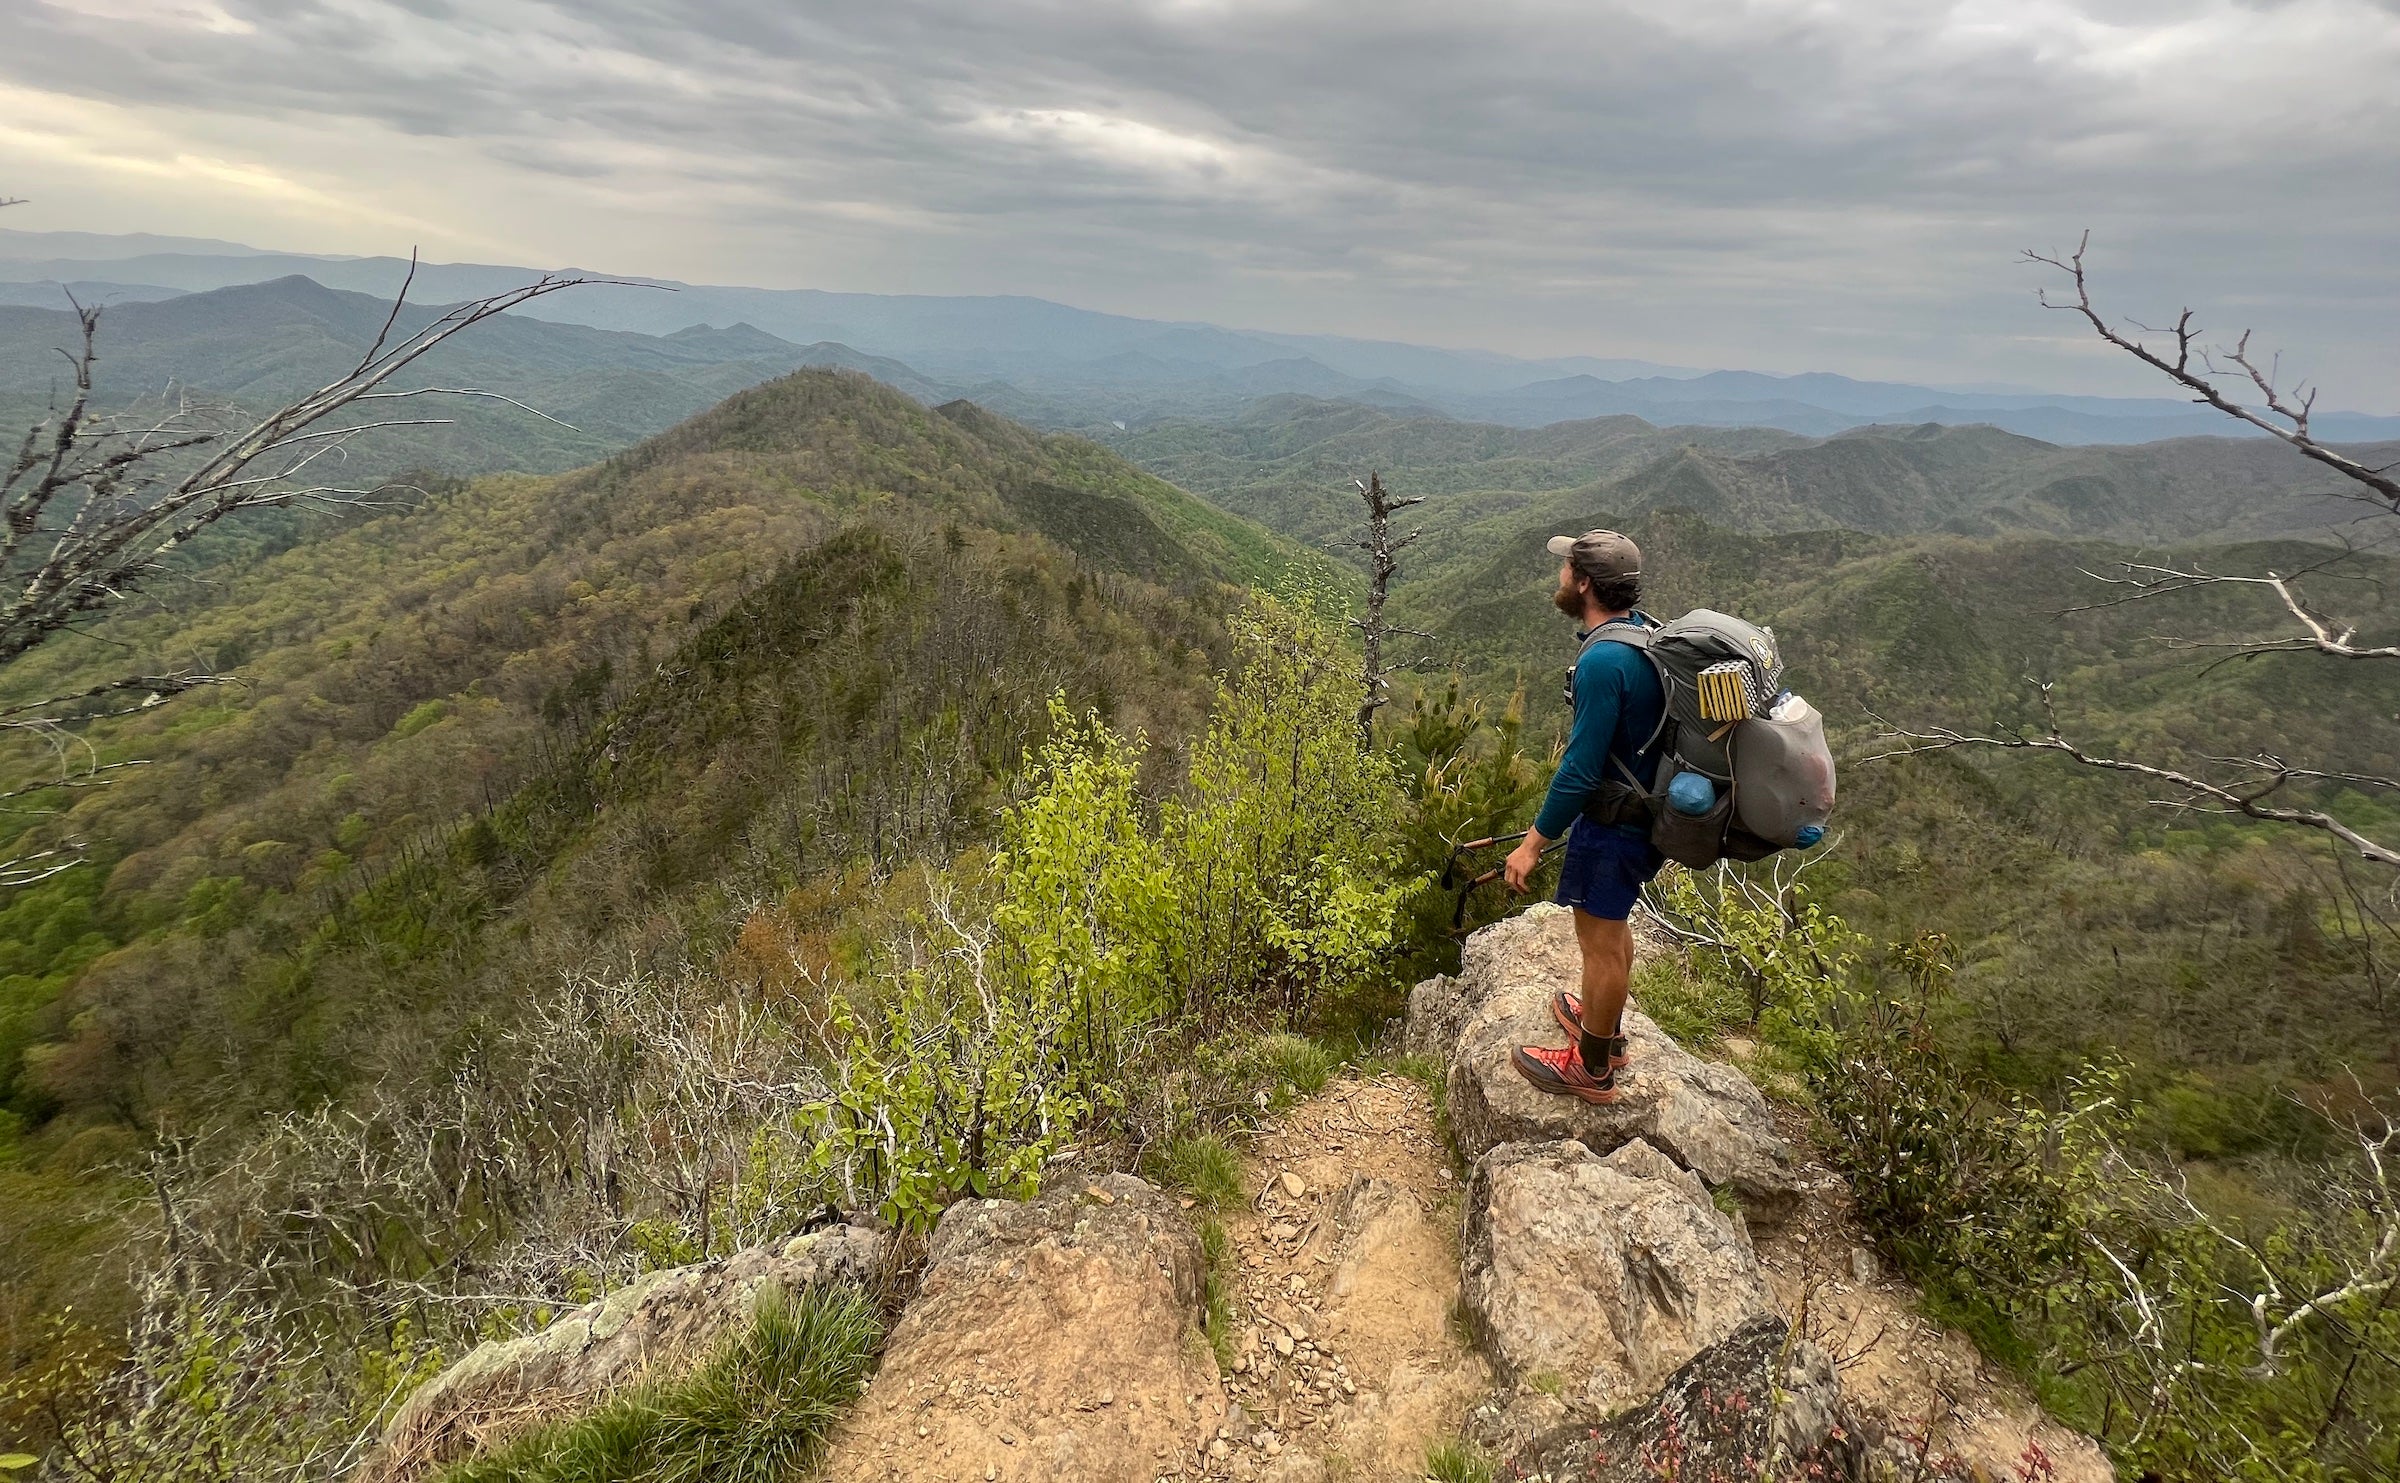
1219,1279
759,1411
1726,1199
1297,1062
1204,1164
1548,1382
1455,1461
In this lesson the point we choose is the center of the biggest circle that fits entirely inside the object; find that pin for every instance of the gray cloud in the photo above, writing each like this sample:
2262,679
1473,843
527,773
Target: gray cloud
1776,183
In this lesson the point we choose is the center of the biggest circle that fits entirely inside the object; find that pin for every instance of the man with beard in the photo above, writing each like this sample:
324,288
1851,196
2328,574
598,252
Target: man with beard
1599,792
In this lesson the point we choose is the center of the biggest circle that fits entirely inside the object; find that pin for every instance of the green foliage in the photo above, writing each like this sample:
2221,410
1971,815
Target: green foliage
1264,886
759,1411
210,1394
2033,1224
1296,1062
1281,843
1006,1037
1220,1283
1470,777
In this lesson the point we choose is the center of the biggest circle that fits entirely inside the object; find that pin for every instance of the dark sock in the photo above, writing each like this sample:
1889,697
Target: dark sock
1594,1049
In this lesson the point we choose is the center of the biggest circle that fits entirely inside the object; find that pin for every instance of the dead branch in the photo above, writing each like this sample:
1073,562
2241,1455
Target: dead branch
2193,366
2278,1315
2249,799
2321,634
87,512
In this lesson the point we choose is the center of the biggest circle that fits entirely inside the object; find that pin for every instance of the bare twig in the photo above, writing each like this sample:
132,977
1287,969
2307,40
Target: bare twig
2247,800
2292,408
2321,634
104,519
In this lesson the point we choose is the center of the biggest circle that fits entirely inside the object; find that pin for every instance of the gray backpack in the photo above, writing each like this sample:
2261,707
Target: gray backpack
1761,775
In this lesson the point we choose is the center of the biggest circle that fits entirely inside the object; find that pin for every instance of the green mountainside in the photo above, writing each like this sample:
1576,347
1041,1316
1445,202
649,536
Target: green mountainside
719,733
538,719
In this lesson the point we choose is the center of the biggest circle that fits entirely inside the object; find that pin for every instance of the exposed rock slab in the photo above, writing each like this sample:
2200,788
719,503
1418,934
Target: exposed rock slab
1051,1338
1705,1116
1753,1405
668,1321
1593,1278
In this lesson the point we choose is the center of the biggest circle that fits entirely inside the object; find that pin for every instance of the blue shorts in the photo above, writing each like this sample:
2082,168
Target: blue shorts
1605,870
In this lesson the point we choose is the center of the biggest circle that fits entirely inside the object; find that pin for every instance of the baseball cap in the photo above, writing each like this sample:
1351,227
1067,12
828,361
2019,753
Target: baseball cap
1600,553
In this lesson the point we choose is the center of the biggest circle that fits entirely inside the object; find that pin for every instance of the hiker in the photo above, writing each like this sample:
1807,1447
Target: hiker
1619,702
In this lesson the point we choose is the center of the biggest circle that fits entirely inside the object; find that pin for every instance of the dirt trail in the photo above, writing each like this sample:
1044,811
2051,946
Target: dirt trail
1348,1364
1378,1280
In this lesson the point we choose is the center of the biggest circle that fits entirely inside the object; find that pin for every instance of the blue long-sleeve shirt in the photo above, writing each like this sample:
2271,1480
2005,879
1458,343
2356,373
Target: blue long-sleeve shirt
1618,703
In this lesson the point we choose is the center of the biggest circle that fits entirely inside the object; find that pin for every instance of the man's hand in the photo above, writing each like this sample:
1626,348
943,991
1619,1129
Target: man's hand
1522,862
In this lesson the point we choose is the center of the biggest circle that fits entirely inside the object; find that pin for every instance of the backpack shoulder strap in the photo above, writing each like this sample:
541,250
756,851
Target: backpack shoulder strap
1634,632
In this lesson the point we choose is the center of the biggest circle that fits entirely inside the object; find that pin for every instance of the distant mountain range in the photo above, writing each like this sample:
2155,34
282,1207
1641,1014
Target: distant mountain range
256,346
1288,464
1059,366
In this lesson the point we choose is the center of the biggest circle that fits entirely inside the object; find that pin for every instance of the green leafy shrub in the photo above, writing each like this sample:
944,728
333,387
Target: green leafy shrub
1268,883
1282,845
1006,1034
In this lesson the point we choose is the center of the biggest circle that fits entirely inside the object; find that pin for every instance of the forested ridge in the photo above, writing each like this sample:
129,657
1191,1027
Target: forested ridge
812,631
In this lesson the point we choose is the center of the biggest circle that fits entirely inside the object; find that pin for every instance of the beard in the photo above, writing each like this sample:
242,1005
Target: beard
1568,600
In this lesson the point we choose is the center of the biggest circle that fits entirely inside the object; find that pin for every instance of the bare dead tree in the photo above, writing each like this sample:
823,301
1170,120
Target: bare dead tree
1383,557
92,505
2247,786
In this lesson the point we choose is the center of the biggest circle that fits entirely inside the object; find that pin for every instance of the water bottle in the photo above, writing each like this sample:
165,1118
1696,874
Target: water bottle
1808,834
1691,793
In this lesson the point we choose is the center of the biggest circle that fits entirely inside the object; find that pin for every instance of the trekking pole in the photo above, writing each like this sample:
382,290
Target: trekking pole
1458,914
1450,870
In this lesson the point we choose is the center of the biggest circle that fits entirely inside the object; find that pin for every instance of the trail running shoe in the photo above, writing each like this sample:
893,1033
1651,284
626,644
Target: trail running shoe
1567,1009
1559,1069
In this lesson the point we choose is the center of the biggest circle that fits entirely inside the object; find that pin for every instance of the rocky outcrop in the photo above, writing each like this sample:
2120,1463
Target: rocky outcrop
1707,1117
1756,1404
1051,1338
666,1322
1591,1278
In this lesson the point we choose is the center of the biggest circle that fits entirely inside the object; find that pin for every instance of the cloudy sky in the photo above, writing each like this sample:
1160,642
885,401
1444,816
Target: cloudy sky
1776,184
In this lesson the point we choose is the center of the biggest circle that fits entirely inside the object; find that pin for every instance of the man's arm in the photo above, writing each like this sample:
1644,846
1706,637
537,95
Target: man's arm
1582,768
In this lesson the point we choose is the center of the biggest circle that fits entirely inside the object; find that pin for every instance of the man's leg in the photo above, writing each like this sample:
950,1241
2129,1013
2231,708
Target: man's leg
1607,972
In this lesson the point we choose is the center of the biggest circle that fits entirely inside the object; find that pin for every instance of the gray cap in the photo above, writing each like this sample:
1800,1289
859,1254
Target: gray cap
1600,554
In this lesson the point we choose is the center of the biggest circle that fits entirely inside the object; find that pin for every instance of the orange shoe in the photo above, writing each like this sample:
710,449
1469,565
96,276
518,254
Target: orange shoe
1567,1009
1559,1069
